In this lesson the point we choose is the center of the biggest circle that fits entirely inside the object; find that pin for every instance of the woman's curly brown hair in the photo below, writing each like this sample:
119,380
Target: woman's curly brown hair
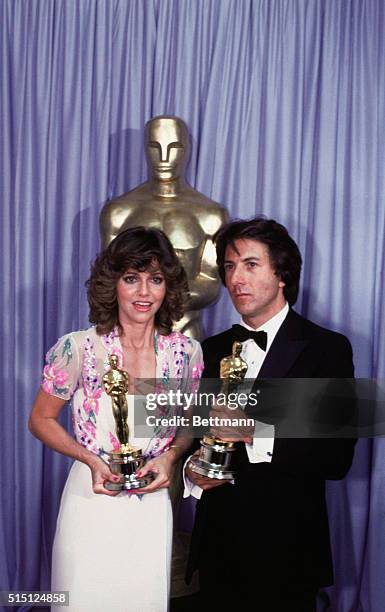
139,248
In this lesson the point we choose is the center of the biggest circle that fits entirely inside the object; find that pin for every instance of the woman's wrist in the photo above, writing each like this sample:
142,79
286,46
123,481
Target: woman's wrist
90,459
175,452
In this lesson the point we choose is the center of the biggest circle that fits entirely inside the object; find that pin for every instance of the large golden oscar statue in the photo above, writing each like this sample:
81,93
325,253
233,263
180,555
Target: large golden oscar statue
166,201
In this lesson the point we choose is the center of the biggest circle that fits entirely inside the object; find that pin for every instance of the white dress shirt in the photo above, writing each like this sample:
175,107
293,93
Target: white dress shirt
263,440
261,450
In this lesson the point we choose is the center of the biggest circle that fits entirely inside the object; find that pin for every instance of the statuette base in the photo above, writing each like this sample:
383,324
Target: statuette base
125,465
204,469
214,460
129,484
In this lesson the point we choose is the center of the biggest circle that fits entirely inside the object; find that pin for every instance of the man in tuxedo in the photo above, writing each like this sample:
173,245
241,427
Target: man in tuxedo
262,542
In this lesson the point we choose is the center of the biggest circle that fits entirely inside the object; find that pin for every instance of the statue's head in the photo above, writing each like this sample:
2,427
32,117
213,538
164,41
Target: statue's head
237,349
113,361
167,146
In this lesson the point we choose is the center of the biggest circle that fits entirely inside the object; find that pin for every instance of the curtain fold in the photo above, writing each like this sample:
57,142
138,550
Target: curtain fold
284,101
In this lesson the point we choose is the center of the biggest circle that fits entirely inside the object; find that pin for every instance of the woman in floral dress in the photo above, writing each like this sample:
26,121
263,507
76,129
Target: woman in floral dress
113,551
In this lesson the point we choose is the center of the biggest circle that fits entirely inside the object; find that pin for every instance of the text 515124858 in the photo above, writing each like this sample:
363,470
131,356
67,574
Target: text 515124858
37,598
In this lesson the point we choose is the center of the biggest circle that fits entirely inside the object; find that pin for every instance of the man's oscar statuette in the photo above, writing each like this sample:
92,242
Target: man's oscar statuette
127,460
215,455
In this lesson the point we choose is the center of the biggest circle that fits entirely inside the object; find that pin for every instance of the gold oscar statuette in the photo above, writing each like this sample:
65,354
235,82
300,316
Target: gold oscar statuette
214,460
126,461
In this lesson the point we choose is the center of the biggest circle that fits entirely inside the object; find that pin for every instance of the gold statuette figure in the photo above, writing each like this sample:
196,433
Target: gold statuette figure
115,383
126,461
215,455
166,201
233,368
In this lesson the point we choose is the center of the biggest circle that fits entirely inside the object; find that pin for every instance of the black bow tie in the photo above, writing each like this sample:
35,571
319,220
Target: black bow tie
242,334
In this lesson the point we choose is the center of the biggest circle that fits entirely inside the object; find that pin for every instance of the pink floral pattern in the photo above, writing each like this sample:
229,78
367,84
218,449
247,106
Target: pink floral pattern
196,375
197,371
173,352
112,345
176,343
91,380
54,379
55,375
91,403
85,431
86,421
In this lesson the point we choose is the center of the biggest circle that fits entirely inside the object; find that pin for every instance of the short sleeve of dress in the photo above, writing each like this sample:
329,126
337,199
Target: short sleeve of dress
61,371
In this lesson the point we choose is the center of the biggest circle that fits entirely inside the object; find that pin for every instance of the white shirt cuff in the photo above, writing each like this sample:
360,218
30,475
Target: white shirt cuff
261,450
189,487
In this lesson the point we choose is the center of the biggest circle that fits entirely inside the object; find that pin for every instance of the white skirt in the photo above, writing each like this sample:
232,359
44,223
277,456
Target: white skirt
112,553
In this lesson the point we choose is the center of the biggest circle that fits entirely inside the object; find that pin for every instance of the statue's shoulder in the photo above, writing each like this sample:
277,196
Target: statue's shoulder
200,199
206,210
126,211
132,197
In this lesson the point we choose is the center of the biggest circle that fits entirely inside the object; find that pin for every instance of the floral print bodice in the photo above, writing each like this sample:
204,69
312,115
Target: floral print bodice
74,370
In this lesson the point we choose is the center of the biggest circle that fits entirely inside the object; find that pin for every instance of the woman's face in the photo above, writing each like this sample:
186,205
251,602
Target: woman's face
140,295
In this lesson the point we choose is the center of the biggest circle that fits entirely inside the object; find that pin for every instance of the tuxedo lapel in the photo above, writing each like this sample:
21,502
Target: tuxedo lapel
287,345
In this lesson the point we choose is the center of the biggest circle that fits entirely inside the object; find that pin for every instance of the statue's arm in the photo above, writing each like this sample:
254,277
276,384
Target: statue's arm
112,219
204,287
108,386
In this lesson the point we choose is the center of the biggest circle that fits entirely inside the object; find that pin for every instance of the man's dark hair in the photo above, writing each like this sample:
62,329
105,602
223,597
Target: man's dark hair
142,249
284,254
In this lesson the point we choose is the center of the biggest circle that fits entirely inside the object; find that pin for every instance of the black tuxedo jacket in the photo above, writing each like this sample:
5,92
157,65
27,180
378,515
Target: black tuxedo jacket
273,520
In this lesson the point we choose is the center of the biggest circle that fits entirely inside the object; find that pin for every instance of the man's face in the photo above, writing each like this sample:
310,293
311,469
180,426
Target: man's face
255,289
166,148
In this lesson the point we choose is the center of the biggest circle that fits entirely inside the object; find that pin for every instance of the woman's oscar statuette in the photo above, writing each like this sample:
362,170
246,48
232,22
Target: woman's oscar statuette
127,460
215,455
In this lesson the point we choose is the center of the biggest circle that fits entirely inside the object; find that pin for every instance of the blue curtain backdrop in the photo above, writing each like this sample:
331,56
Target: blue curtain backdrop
284,100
